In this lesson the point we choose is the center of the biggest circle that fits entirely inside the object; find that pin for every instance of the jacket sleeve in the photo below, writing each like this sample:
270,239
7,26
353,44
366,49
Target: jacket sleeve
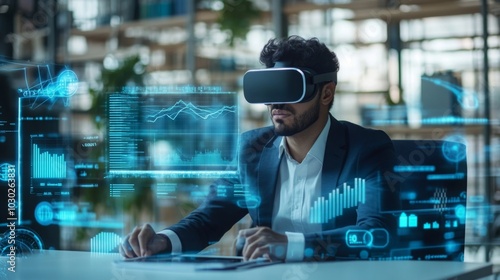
210,221
218,213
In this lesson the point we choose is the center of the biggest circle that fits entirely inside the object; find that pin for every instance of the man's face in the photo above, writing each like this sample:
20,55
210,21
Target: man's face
289,119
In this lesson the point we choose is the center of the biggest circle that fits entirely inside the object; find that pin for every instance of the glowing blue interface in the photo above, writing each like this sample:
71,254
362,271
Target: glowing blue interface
165,143
433,184
172,132
325,209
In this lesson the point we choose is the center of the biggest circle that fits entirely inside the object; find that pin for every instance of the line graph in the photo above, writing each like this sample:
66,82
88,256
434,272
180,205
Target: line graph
182,107
172,133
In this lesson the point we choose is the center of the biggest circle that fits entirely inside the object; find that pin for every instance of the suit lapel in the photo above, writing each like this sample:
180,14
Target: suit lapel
268,174
335,154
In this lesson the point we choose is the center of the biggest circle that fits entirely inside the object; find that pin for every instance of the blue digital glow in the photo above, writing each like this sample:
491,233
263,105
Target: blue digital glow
166,190
325,209
408,195
433,225
454,149
389,122
453,120
202,112
47,165
27,242
172,132
455,176
374,238
44,87
308,252
4,171
121,189
452,246
466,99
69,214
440,199
446,120
363,254
240,193
476,198
250,202
460,211
44,214
414,168
410,221
450,224
104,242
67,83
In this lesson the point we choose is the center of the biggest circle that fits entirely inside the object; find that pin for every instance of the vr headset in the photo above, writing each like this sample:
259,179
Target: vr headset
282,84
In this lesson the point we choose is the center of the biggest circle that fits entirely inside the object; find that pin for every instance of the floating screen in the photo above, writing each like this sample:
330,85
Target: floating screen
433,180
172,132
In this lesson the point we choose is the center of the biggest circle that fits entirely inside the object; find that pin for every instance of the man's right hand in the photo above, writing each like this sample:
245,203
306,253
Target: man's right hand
144,241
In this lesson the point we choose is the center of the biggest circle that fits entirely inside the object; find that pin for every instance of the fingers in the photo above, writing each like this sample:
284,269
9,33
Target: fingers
134,243
137,242
248,232
256,249
126,249
145,237
260,241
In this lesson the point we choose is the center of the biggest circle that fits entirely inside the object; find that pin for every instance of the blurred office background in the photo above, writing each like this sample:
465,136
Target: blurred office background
417,69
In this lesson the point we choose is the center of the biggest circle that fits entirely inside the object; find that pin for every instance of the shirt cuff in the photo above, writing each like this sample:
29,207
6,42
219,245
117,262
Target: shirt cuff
295,249
174,240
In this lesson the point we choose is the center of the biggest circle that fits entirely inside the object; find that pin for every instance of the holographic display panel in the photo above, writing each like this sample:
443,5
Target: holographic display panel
433,183
44,152
172,132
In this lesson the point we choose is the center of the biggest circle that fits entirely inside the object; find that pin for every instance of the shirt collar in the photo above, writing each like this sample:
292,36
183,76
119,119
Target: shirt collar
317,150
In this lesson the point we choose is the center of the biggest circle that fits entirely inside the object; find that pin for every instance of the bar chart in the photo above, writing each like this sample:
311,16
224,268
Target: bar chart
104,242
325,209
47,165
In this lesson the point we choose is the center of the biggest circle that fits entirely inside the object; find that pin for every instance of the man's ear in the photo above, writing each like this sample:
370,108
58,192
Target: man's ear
328,93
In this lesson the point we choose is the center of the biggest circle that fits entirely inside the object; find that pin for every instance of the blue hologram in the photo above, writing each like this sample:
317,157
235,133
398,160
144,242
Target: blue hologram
202,112
104,242
466,99
47,165
325,209
455,148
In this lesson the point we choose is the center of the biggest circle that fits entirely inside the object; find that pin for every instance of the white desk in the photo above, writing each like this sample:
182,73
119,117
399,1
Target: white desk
84,265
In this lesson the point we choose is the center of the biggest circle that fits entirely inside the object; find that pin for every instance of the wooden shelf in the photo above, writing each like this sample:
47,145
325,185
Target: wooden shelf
103,33
416,9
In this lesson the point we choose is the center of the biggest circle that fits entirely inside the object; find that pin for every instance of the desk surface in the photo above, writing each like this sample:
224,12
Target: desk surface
84,265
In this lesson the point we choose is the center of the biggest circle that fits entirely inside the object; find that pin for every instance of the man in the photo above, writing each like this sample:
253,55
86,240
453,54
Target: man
307,154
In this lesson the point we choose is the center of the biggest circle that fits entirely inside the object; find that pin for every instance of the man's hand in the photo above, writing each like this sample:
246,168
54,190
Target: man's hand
263,242
143,241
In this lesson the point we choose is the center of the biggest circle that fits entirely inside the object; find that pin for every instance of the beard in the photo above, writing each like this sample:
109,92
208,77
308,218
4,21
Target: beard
299,123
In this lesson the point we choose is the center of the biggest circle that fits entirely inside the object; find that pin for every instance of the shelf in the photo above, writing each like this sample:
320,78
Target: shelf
103,33
414,10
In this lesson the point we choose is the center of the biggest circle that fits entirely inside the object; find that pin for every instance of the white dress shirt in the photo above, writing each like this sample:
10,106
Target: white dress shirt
298,185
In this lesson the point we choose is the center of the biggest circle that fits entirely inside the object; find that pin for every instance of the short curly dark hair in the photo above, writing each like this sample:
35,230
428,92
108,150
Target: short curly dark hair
299,52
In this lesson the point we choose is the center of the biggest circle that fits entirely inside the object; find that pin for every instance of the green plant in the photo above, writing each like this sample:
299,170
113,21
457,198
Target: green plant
129,71
113,80
236,17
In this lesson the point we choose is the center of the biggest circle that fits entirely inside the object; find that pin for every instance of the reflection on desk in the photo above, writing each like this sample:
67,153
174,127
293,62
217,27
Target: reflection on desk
85,265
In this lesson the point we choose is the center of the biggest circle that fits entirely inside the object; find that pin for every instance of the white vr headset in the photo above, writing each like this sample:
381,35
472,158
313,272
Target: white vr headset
282,84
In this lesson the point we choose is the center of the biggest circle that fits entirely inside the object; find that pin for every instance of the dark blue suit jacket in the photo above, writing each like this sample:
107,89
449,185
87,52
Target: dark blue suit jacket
351,152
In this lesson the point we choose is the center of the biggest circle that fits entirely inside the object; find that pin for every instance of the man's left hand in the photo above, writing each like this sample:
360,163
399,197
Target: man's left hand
263,242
